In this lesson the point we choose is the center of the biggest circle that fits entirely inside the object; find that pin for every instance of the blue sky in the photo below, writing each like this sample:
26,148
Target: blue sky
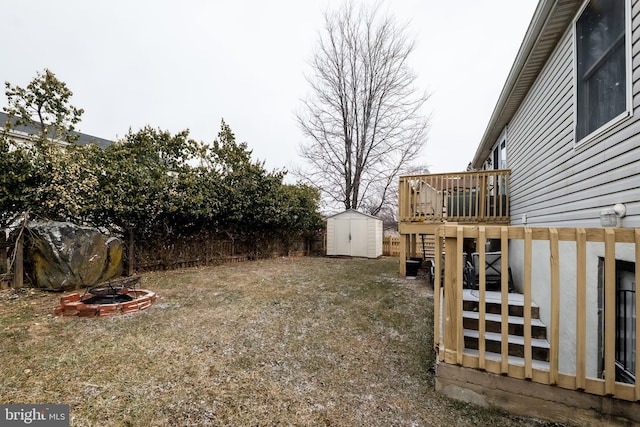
176,65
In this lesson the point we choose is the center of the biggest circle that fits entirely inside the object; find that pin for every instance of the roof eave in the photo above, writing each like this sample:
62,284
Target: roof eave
548,24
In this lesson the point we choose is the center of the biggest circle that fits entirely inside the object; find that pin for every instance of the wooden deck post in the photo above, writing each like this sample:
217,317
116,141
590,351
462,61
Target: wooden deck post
609,312
412,245
504,297
581,314
637,249
403,254
528,268
482,289
451,300
554,338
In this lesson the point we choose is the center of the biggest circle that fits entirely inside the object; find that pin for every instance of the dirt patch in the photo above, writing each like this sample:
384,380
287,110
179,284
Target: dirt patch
300,341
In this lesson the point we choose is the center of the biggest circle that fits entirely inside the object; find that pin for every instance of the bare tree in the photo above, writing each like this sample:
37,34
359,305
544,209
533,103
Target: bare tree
363,120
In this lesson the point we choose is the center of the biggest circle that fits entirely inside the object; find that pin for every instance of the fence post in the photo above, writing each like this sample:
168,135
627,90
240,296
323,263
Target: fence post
130,254
4,260
18,266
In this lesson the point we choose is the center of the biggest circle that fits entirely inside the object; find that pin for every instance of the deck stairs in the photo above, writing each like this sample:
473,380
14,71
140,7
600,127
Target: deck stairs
493,321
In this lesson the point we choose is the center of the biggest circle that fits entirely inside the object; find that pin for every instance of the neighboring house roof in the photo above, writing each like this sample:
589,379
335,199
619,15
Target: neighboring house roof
549,23
83,139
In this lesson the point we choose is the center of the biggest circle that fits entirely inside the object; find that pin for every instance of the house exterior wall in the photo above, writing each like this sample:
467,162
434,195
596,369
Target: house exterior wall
553,181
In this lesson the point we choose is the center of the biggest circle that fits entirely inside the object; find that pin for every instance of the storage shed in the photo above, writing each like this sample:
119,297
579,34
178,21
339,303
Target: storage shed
354,233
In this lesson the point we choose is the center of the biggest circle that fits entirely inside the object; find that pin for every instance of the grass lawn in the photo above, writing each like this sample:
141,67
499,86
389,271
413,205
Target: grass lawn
299,341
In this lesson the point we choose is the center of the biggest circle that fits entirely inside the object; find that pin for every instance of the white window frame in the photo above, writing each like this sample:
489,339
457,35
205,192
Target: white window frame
628,112
502,163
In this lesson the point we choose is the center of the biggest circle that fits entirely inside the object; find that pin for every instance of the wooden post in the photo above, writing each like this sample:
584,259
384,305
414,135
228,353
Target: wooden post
130,255
459,292
504,294
555,306
4,261
609,312
437,315
18,266
451,299
403,255
482,288
403,196
581,304
637,248
3,251
484,197
528,264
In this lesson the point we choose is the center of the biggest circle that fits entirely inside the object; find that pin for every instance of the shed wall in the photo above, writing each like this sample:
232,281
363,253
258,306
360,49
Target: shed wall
351,233
374,238
331,242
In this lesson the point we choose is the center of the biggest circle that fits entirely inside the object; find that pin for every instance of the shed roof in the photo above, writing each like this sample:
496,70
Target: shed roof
353,211
550,21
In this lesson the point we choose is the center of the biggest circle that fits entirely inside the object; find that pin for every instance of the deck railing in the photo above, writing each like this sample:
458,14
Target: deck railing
478,196
425,248
572,273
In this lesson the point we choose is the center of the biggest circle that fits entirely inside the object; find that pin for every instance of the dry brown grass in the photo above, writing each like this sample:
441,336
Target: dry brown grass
304,341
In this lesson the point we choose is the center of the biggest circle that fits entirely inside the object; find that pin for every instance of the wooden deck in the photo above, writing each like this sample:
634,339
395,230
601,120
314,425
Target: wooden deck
481,347
568,306
479,197
427,202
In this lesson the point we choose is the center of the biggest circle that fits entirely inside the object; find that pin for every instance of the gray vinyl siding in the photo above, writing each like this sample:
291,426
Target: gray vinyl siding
555,183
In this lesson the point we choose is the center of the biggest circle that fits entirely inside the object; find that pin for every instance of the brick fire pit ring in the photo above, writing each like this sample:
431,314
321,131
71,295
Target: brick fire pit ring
105,301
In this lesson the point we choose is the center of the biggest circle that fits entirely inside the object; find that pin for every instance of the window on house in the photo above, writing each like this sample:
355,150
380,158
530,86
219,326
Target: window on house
499,161
601,71
500,156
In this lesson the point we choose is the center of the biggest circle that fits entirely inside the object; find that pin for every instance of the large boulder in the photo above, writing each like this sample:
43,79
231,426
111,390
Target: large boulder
62,256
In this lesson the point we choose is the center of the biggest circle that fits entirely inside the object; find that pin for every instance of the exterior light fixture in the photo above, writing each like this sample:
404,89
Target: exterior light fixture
611,217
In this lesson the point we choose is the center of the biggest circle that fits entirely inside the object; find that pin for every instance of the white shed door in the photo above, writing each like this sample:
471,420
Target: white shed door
350,237
342,236
359,238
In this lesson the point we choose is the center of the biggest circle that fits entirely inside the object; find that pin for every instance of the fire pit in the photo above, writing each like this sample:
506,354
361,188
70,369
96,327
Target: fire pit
112,298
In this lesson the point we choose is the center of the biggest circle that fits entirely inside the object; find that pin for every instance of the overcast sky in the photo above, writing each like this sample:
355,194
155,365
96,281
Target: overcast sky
190,63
